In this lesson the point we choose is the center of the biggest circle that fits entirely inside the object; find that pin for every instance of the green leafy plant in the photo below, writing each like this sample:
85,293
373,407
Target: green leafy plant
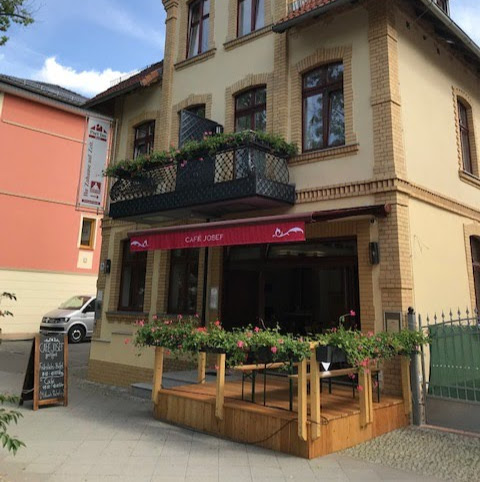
13,11
197,150
361,348
184,335
8,416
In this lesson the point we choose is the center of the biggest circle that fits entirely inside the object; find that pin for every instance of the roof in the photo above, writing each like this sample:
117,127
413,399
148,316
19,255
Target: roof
144,78
445,27
303,7
51,91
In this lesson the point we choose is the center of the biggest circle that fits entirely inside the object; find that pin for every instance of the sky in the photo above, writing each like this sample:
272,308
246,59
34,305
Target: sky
85,45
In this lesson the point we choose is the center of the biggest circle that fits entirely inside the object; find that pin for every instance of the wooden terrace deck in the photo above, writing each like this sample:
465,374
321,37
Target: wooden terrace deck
218,409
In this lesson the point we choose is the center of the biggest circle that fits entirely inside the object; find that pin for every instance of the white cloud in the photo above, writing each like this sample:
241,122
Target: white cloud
86,82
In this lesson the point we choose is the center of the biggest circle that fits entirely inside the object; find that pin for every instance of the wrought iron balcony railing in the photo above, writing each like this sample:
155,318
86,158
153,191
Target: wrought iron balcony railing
297,5
212,185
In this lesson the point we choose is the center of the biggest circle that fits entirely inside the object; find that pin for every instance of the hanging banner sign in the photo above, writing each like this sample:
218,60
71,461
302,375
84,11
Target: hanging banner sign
95,157
221,236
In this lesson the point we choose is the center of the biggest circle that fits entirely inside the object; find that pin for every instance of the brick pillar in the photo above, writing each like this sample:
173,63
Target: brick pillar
102,277
386,102
162,135
280,74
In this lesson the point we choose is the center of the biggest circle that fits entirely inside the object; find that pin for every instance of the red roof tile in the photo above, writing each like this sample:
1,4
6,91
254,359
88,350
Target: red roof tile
306,7
143,79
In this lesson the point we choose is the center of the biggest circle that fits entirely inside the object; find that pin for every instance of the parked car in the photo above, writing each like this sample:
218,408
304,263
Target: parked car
75,317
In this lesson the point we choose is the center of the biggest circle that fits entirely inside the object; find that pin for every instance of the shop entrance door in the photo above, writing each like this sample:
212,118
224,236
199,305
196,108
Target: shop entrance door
240,303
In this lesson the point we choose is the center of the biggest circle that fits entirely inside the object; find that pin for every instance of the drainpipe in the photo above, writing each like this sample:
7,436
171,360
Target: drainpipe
205,280
414,374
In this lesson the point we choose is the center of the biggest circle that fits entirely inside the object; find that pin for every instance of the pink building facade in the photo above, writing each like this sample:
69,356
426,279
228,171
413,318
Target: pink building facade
49,246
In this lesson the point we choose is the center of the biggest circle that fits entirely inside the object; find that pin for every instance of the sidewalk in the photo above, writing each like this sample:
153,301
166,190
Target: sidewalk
105,434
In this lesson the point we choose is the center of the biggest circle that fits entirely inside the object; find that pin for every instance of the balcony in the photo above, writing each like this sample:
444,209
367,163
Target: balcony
247,176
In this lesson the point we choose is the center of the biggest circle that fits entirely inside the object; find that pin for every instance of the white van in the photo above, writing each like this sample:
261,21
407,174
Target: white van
75,317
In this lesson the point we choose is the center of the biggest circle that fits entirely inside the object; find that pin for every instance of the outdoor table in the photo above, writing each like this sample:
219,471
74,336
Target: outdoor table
263,367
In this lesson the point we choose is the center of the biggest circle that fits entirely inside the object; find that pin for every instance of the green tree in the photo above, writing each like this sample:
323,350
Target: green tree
8,416
16,11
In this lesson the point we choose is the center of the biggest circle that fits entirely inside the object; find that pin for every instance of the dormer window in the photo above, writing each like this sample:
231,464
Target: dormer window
251,16
443,5
198,27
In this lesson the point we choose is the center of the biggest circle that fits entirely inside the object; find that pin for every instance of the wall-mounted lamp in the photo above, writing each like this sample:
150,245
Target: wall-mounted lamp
105,266
374,253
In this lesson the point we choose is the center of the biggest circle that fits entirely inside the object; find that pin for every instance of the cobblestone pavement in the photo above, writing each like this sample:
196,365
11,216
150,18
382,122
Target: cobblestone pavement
105,434
425,451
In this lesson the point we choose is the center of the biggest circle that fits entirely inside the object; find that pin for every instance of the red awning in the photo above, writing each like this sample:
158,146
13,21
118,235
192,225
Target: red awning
262,230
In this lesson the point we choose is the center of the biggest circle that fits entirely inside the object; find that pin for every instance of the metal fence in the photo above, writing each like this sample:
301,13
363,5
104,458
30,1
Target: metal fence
453,357
297,5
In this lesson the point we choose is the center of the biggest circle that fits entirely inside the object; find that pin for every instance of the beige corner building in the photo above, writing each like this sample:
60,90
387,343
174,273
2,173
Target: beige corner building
382,99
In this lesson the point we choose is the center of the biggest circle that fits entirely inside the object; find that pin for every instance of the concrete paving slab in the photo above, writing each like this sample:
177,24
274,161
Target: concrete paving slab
106,434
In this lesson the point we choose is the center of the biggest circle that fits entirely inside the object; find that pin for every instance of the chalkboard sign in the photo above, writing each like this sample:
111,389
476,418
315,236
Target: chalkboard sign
46,379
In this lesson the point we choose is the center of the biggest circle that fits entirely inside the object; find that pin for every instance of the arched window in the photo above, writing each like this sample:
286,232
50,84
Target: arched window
251,110
465,131
198,109
475,247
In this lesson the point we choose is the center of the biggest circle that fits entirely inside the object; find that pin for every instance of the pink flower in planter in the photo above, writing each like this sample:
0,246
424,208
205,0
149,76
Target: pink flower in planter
154,317
273,349
256,329
249,334
240,344
127,341
141,323
217,323
352,313
180,317
360,388
280,342
196,315
153,330
370,334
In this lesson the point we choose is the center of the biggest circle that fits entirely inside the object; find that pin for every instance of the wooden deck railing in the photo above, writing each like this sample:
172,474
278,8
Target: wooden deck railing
314,378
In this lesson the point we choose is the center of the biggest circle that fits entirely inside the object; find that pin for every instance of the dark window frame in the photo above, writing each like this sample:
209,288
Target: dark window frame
253,17
253,108
189,261
202,17
443,5
149,139
195,108
465,132
475,250
327,90
138,264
